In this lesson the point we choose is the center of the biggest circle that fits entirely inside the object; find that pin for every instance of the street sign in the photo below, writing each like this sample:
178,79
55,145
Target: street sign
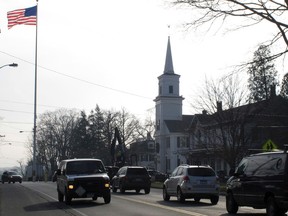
269,145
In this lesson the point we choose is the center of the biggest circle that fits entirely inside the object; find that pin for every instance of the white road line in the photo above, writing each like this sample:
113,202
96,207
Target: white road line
47,195
161,206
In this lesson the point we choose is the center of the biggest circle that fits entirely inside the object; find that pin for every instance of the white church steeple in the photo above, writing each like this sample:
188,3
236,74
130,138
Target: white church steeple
168,107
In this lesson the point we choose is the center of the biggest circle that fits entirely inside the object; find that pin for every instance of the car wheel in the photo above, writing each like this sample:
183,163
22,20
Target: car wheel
107,198
180,196
60,197
197,199
20,182
114,189
231,205
67,198
147,190
122,190
272,208
214,200
166,196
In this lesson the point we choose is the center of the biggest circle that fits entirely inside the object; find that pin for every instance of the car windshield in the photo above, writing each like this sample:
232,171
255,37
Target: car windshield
84,167
13,173
137,171
200,172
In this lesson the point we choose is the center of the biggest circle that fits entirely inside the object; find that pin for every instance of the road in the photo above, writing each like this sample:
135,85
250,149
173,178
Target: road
40,198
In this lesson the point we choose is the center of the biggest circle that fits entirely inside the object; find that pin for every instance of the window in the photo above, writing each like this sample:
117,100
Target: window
200,172
266,165
84,167
170,89
180,171
182,142
168,164
168,142
174,171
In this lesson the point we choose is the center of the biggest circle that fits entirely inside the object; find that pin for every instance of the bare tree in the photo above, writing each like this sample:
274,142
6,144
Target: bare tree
221,128
54,135
255,12
126,124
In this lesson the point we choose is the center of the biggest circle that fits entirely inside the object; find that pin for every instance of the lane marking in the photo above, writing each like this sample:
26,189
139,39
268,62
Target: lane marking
161,206
47,195
131,200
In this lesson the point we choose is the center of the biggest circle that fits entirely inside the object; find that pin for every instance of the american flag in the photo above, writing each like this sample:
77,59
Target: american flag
26,16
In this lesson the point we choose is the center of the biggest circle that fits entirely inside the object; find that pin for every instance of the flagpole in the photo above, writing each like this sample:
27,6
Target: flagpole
34,168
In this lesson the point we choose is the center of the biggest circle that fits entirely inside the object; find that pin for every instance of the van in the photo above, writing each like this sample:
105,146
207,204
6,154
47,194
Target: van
82,178
260,181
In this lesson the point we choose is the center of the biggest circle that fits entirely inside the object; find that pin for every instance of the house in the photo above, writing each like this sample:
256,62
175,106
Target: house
142,153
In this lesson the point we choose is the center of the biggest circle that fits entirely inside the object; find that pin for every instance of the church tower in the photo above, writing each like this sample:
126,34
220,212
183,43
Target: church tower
168,107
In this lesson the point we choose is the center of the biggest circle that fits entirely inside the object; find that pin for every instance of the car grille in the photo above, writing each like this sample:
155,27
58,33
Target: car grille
90,184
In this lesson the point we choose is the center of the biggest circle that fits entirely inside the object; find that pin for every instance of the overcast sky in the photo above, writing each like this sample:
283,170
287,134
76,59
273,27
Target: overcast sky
108,53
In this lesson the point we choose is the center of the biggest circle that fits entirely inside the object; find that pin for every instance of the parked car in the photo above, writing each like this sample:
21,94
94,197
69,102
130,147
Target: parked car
190,181
82,178
131,178
157,176
260,181
11,176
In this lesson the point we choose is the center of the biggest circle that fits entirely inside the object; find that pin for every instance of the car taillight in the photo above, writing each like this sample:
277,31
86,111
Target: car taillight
186,178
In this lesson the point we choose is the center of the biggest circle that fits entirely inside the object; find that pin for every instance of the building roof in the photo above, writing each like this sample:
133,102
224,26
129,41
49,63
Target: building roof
175,126
264,111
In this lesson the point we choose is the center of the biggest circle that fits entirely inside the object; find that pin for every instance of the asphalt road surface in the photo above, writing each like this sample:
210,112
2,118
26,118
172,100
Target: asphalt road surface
40,198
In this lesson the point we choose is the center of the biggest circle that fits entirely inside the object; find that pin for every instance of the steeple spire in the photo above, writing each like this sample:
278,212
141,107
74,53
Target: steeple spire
168,69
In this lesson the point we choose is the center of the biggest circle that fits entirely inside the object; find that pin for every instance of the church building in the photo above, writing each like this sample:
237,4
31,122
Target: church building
217,139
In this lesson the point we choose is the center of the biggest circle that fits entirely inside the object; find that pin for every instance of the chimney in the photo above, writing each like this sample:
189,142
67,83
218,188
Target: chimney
219,106
204,112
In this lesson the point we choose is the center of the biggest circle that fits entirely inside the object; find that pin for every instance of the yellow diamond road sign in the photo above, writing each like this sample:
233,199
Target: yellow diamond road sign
269,145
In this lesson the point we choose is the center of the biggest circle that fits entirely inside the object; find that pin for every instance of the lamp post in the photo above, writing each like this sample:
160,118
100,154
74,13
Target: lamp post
10,65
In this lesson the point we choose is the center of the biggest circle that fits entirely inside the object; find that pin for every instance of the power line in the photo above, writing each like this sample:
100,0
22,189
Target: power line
78,79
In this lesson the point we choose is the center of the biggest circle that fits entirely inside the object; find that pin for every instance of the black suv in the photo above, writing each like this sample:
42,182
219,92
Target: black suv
82,178
131,178
260,181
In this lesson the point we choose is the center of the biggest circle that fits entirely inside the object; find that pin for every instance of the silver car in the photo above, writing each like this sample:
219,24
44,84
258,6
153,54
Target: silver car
190,181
